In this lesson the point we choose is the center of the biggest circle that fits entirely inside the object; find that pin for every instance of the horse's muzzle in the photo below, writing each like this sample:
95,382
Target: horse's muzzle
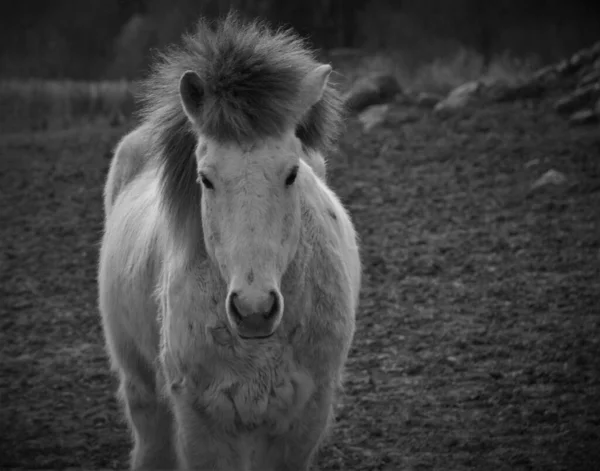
254,317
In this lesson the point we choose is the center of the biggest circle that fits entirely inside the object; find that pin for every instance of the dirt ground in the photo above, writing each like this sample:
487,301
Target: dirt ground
478,341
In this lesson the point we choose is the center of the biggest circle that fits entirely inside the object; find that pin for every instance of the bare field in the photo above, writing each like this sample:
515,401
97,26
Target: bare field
478,342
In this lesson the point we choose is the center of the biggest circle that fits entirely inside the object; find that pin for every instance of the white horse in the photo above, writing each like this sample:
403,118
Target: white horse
229,272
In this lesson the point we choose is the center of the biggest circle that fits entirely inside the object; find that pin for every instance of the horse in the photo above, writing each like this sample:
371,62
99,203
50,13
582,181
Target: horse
229,272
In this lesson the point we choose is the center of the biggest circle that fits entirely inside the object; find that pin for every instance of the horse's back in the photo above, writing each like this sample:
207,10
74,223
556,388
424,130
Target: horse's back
130,156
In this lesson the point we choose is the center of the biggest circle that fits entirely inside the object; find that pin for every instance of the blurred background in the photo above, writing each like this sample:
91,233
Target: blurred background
81,39
427,45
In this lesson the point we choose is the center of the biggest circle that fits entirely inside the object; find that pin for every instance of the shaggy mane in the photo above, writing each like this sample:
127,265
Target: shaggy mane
252,76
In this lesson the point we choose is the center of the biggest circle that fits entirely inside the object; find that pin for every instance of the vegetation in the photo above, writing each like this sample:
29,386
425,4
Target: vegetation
112,39
442,74
77,61
55,104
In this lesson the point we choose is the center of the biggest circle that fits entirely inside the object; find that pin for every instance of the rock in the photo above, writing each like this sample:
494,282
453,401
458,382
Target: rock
566,105
373,90
583,117
403,116
551,177
427,100
579,59
544,74
459,97
519,91
580,98
577,78
373,116
579,64
590,78
569,67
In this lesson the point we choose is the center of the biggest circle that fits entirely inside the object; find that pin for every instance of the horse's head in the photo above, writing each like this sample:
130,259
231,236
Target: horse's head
251,209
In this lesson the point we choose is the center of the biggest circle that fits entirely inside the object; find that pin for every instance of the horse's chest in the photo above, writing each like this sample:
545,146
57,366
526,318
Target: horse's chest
240,387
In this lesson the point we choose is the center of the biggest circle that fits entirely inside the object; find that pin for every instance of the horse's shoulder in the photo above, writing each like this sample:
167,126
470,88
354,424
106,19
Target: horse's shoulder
331,233
326,209
130,157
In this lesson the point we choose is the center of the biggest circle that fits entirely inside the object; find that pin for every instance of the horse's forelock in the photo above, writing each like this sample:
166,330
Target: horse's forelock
252,77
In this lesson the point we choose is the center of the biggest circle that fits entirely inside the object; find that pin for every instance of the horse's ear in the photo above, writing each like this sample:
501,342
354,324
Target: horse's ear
191,90
314,84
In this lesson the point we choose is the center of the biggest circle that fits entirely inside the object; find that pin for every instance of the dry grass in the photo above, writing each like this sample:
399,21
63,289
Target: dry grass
42,104
443,73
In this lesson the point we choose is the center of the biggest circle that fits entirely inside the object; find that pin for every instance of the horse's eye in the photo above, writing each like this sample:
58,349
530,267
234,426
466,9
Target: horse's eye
205,181
291,178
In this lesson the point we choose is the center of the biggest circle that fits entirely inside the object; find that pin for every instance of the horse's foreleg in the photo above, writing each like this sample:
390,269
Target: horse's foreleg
295,450
202,443
146,411
150,421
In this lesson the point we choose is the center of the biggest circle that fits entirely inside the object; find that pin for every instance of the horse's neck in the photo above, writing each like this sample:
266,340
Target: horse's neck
313,205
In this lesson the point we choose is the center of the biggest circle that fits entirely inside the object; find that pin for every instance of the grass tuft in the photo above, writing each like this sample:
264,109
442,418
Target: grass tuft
50,105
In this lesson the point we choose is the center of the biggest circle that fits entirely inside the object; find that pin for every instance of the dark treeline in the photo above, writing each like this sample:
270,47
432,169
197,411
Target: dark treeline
86,39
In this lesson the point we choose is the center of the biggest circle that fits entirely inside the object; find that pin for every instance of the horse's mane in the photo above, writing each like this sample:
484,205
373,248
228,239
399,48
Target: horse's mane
252,76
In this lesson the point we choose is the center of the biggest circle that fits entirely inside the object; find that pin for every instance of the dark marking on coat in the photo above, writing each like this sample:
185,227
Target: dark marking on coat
288,222
332,214
177,386
250,277
221,335
214,237
214,233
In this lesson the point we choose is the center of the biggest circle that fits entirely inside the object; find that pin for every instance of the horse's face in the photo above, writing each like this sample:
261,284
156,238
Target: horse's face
251,221
251,212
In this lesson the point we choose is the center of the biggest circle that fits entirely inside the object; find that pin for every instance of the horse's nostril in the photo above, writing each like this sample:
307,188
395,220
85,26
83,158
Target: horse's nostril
254,314
234,308
274,305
